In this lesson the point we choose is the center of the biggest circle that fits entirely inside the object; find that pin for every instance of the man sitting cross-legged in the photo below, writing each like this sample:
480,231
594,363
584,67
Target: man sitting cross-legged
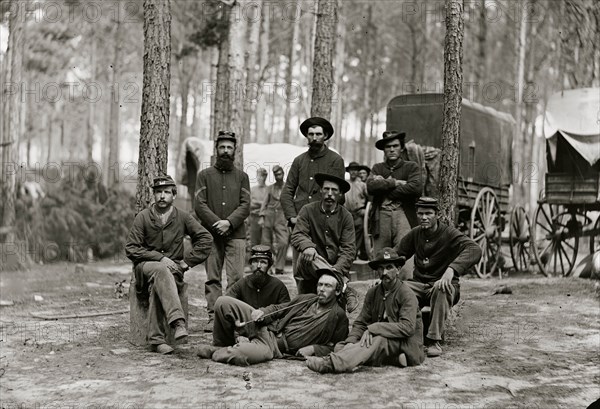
388,330
259,289
307,325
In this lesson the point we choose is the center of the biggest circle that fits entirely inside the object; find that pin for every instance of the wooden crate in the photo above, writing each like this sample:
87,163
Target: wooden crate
564,188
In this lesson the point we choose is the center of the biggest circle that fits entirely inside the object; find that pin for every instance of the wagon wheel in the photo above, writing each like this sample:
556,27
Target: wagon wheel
369,242
519,238
485,231
595,239
555,239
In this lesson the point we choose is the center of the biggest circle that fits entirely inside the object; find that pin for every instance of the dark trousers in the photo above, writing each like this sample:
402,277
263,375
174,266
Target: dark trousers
230,252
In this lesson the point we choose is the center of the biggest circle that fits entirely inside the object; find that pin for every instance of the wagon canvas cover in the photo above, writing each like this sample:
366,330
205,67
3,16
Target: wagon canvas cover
573,117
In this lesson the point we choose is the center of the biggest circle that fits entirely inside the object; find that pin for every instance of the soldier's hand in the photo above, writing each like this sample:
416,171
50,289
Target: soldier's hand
184,266
222,227
445,283
400,182
169,263
261,221
306,351
366,339
309,254
257,315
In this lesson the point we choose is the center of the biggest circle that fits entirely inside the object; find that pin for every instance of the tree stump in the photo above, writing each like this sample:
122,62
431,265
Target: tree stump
138,317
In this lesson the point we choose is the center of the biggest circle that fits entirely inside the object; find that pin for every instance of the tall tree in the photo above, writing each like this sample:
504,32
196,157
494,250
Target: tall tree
263,63
115,104
325,40
10,127
289,85
453,79
229,109
519,196
154,132
252,90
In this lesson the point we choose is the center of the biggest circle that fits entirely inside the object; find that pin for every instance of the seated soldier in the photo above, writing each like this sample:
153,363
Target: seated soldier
155,245
259,289
324,238
308,325
388,330
442,254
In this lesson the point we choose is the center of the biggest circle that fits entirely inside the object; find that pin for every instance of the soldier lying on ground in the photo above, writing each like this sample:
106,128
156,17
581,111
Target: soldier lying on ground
306,326
388,330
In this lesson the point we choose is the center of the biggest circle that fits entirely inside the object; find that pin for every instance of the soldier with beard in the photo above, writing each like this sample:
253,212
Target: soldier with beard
222,203
259,289
301,187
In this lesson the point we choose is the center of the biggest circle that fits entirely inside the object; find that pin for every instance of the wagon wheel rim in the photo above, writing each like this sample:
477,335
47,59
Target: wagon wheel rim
595,240
554,246
484,230
519,238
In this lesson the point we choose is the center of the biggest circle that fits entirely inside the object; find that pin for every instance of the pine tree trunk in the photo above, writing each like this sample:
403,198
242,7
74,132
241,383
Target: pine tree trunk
519,195
154,132
11,121
252,90
453,78
89,142
481,40
340,55
115,101
325,39
237,82
261,107
289,80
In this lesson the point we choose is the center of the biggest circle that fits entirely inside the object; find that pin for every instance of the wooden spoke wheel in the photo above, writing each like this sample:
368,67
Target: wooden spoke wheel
485,231
555,239
369,242
519,238
595,239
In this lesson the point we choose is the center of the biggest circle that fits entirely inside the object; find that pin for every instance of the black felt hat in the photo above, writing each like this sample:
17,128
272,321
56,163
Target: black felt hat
320,178
386,255
353,166
389,136
317,121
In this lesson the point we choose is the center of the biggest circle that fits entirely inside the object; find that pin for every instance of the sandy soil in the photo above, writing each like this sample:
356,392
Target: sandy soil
535,348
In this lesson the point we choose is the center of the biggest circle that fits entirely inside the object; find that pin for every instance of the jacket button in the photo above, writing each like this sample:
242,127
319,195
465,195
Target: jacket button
310,197
223,187
223,203
310,178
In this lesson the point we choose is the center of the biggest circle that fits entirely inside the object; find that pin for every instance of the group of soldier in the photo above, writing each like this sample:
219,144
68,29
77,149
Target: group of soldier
255,320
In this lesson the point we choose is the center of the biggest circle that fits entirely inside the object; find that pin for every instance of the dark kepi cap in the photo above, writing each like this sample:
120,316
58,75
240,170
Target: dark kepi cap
353,166
386,255
365,167
389,136
164,180
320,178
261,251
428,202
226,136
277,168
317,121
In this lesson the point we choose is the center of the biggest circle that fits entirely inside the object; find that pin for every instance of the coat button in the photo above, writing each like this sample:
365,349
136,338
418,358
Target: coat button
310,178
310,197
224,187
223,203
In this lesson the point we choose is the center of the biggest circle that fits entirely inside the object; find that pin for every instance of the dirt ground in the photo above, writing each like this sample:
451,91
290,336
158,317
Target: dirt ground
535,348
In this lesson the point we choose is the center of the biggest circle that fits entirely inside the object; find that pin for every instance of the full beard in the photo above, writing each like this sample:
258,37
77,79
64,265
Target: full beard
315,147
258,278
224,162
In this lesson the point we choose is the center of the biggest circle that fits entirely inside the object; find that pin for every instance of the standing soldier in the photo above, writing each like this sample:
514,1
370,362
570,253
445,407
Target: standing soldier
395,185
356,203
222,204
273,221
155,245
301,187
257,196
